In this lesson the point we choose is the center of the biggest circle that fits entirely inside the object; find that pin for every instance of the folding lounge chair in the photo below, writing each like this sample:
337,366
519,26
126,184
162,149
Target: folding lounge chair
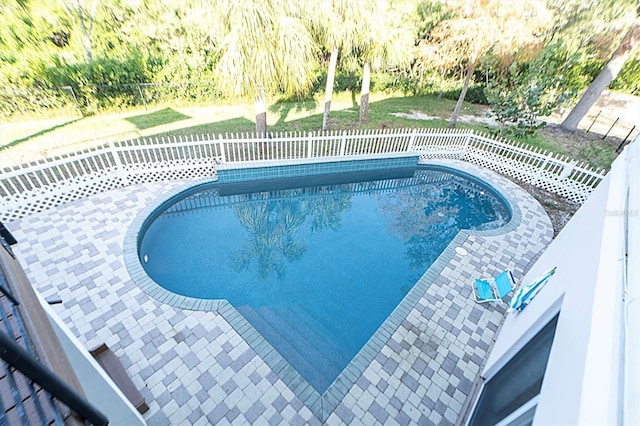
483,291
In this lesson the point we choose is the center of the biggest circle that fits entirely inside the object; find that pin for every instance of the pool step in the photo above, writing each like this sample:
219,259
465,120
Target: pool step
284,347
302,336
320,334
285,334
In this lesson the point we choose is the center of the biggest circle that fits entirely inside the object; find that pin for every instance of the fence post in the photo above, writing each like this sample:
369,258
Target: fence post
610,128
343,143
543,166
75,99
144,101
625,139
567,169
120,170
467,142
594,120
309,145
412,140
223,156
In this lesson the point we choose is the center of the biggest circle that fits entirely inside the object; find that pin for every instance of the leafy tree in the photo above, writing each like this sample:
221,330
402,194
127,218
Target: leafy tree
428,14
32,32
267,48
180,38
629,77
505,28
84,14
428,59
530,90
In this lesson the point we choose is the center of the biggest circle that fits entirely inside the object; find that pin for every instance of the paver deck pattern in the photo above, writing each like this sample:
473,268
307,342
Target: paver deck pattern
194,368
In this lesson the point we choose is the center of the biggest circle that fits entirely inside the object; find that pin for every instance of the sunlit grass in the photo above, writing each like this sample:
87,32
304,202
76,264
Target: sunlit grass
28,141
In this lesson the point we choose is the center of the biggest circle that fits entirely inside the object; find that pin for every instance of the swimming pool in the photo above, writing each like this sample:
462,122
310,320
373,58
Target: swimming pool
315,264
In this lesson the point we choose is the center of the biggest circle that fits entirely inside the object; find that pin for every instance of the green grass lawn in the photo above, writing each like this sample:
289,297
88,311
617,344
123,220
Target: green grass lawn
29,141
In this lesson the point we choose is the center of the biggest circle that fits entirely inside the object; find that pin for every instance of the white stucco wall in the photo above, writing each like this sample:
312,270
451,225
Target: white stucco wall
582,383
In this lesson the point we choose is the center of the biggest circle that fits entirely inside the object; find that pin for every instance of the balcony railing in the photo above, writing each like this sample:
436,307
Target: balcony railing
30,391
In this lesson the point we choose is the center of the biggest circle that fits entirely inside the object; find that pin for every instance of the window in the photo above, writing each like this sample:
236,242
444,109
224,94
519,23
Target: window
517,382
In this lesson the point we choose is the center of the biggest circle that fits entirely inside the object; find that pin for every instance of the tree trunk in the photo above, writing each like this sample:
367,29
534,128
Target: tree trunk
364,94
87,49
606,76
260,106
328,92
441,86
86,30
463,93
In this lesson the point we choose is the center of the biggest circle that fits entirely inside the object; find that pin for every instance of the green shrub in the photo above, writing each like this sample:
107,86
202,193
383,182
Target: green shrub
628,80
475,94
27,101
528,91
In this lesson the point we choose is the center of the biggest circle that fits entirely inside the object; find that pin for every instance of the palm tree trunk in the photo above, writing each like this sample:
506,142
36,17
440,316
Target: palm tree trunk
606,76
364,94
260,106
328,92
463,92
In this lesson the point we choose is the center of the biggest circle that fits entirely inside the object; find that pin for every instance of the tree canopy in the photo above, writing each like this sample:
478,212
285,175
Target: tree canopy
260,50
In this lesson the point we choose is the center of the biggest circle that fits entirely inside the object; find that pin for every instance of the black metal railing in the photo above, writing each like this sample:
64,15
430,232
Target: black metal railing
28,388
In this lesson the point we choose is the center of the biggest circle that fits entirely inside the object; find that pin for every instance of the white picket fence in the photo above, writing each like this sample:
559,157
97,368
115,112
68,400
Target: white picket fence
35,187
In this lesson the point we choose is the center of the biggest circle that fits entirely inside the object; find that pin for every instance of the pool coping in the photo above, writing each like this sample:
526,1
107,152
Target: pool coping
321,405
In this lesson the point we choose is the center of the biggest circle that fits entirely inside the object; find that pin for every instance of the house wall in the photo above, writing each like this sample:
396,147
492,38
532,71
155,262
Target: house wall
97,385
582,383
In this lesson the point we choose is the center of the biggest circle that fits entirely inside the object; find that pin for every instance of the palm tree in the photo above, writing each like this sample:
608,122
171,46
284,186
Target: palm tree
267,49
478,27
385,42
336,27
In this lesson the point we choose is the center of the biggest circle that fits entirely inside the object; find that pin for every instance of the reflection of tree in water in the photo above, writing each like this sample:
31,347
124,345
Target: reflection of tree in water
272,242
326,210
428,217
273,224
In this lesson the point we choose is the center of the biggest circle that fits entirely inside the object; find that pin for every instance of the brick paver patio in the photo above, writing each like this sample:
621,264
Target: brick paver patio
194,367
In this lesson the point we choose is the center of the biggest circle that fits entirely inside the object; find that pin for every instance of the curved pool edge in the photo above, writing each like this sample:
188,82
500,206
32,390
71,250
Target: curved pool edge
323,405
132,261
144,217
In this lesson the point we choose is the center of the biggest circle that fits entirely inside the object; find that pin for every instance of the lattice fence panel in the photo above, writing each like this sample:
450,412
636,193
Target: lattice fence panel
27,203
48,183
160,174
554,174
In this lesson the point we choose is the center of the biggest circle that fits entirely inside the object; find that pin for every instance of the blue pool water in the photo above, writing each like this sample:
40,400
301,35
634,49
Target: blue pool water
314,264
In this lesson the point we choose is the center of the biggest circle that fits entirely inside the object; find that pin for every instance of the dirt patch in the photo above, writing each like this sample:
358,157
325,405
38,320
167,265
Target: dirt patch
416,115
482,119
590,148
557,207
